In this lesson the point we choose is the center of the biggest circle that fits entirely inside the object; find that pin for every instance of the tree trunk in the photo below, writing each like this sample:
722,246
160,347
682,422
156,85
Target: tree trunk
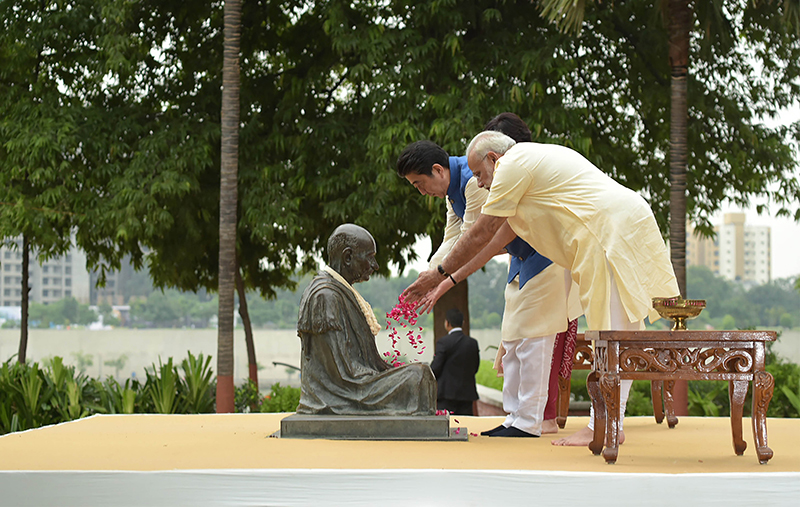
679,25
228,197
248,328
457,297
680,16
23,325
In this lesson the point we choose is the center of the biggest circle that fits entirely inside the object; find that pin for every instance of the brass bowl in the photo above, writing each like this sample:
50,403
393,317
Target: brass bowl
678,309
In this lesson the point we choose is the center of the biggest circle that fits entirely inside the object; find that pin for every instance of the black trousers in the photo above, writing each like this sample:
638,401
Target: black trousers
456,407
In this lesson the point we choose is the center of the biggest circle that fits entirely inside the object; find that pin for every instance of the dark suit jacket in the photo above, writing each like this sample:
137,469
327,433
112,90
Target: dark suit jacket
455,364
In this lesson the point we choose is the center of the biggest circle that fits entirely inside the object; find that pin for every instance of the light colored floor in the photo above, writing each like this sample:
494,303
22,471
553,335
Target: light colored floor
241,441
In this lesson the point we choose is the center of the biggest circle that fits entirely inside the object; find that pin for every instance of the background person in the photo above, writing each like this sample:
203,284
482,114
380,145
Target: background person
454,365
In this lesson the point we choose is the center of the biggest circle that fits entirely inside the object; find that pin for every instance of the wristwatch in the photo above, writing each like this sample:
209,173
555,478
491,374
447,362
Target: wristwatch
442,271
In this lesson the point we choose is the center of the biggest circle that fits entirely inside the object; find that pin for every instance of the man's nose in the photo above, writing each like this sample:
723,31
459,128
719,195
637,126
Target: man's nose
374,265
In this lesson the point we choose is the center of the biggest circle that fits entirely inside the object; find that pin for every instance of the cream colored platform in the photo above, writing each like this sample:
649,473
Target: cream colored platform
230,460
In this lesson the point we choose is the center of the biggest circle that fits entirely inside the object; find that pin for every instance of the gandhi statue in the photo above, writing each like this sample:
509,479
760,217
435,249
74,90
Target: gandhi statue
342,372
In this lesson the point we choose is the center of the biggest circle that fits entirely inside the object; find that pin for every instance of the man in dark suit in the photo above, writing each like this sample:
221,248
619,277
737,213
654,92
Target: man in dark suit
455,364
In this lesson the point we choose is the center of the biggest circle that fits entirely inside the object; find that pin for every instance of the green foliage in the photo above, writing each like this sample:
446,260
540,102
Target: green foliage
197,396
640,400
31,396
191,394
732,306
162,386
792,396
706,398
281,399
487,376
247,398
171,308
61,313
787,376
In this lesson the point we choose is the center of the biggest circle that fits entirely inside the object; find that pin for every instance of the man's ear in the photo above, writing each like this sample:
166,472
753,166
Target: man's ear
437,169
347,255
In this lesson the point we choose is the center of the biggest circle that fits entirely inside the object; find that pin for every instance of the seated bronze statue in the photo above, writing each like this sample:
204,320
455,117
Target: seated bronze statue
342,372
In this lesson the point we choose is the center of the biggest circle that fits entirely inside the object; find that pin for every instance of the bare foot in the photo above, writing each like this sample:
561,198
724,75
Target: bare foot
549,426
582,438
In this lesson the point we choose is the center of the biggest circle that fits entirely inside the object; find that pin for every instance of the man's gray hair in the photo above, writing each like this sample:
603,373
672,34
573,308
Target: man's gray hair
489,140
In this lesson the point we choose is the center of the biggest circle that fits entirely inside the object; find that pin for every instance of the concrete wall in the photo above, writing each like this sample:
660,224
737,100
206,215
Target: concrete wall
144,347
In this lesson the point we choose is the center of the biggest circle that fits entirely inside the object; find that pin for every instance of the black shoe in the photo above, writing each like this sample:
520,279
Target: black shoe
491,432
513,432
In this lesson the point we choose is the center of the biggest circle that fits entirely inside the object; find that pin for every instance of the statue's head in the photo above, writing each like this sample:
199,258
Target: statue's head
351,253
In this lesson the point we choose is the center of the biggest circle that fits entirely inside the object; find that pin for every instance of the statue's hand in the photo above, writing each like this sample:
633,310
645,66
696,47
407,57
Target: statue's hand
426,281
430,299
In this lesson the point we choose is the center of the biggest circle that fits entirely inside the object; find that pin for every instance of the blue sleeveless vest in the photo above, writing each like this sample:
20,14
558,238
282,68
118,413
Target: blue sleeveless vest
525,261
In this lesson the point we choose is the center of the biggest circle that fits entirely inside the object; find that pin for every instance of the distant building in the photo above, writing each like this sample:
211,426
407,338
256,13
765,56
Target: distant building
55,279
740,252
58,278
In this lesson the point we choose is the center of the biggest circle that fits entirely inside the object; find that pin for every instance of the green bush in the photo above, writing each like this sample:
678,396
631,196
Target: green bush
487,376
247,398
32,396
281,399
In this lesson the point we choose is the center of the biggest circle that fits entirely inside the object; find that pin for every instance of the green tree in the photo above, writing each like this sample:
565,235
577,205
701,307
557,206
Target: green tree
46,56
722,42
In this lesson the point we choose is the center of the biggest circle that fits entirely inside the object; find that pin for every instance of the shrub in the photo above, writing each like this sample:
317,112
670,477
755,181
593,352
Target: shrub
281,399
247,398
487,376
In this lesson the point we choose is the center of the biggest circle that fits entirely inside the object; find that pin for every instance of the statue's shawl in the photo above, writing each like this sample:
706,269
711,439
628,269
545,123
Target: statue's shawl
342,371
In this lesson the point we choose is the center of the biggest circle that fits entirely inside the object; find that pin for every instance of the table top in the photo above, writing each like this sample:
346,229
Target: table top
683,336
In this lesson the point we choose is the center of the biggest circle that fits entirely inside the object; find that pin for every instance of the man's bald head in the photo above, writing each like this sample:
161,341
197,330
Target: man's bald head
351,253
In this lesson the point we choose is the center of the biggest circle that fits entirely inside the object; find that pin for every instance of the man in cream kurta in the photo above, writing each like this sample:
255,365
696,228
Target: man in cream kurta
534,313
571,212
583,220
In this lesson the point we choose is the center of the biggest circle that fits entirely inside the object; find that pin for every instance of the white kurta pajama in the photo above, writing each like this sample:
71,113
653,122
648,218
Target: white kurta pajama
603,233
532,317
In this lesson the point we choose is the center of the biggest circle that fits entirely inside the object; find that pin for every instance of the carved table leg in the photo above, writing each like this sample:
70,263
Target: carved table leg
763,385
658,405
592,385
737,391
669,403
563,401
609,385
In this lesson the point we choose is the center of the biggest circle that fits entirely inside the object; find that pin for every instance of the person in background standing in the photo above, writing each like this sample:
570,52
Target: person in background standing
455,364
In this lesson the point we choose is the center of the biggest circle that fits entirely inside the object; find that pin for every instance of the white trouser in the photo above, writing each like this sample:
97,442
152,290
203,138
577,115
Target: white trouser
619,322
526,372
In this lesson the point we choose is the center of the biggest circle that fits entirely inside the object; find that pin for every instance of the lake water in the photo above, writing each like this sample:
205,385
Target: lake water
143,348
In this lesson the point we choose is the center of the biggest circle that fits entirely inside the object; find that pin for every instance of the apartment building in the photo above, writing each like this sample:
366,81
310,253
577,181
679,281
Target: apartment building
52,280
739,252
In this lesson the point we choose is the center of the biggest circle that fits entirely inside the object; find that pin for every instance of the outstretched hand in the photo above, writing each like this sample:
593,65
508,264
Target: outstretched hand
427,303
426,281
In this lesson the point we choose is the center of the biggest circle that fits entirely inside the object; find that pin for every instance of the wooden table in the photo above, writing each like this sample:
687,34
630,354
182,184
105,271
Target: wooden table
667,356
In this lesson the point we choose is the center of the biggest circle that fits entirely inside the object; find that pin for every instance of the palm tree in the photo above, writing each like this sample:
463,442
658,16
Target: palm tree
228,197
680,19
568,14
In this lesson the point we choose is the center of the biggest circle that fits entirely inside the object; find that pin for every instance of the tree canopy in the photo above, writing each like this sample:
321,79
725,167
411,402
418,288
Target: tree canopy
122,123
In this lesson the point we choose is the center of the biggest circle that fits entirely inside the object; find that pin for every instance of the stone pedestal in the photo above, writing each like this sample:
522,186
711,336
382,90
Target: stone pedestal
345,427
